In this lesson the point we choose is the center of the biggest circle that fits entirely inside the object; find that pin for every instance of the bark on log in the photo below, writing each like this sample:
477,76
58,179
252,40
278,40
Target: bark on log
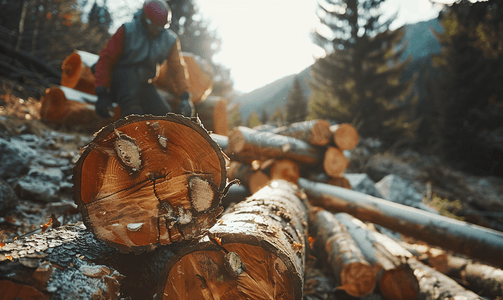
77,73
475,241
213,114
351,271
255,251
396,279
345,136
141,183
68,107
68,262
334,162
314,132
485,280
254,145
437,286
199,77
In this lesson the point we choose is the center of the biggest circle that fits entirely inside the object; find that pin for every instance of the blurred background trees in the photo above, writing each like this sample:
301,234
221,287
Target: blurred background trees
296,104
359,81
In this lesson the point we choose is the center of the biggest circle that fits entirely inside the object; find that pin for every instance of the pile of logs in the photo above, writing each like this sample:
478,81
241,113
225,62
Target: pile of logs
72,102
155,225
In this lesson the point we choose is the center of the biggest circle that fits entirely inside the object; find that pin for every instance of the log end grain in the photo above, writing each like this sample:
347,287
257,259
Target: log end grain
357,279
334,162
399,283
320,133
285,169
72,67
257,181
345,136
140,183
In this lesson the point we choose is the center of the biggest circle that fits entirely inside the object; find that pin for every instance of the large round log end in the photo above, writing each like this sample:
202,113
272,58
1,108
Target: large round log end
399,284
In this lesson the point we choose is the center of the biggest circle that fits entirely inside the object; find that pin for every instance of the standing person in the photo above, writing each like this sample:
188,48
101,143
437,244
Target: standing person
130,60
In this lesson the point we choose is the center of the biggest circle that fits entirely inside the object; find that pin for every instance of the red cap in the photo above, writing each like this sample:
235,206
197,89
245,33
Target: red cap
157,11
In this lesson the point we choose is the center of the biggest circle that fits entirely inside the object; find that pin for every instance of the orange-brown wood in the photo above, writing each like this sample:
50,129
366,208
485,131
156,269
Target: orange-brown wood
257,181
255,251
213,114
146,180
198,74
351,271
315,132
345,136
334,162
285,169
11,291
340,181
57,109
77,75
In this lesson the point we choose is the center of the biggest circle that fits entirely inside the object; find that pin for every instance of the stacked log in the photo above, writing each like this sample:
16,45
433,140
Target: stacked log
255,251
140,184
213,114
78,71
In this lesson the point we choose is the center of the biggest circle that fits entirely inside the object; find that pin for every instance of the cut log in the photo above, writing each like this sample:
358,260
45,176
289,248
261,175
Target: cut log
257,181
146,181
340,181
255,251
68,262
199,77
213,114
68,107
351,271
315,132
475,241
485,280
77,73
254,145
345,136
285,169
434,285
334,162
62,263
222,140
396,279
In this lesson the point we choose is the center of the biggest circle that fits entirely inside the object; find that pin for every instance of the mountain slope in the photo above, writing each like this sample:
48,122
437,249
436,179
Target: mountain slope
421,44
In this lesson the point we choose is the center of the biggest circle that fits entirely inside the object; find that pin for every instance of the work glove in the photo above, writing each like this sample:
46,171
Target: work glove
186,106
103,106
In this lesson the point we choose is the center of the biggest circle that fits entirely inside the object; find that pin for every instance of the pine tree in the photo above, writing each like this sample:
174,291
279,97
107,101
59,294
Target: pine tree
359,79
296,104
278,117
264,116
468,97
234,116
253,120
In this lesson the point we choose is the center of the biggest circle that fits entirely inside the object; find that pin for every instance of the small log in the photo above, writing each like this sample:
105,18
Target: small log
146,181
255,251
334,162
475,241
254,145
222,140
199,77
340,181
315,132
257,181
77,73
345,136
213,114
485,280
396,279
67,107
434,285
285,169
351,271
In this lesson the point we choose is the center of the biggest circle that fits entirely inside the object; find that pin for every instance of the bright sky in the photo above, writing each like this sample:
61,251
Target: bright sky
264,40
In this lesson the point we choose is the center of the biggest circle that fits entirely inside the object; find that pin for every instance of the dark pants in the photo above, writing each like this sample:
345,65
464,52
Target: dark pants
134,97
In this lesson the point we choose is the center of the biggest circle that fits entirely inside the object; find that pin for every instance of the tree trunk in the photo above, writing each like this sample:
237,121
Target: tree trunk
396,279
255,251
146,181
485,280
437,286
254,145
68,262
345,136
314,132
351,271
213,114
334,162
472,240
77,73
